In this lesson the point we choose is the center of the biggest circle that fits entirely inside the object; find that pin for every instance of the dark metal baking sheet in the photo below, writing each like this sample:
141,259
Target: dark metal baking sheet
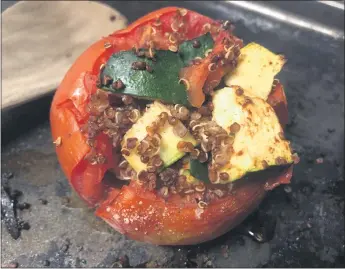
310,219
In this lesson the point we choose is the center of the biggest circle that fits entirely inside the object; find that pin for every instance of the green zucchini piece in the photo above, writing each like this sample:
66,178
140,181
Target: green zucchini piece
199,170
188,51
161,84
168,150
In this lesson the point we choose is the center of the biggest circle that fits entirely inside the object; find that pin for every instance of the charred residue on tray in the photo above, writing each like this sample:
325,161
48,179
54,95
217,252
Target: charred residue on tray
9,206
9,214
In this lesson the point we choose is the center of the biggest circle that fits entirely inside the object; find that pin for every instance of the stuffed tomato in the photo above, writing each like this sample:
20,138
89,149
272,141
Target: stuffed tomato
148,134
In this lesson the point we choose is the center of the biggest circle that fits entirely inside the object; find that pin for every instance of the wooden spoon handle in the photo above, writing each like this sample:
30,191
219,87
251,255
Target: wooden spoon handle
41,40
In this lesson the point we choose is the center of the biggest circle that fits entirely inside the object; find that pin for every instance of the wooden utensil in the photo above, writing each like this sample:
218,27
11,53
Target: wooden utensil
41,39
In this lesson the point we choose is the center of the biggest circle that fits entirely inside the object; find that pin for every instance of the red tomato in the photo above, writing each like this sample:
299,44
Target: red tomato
277,100
142,215
134,211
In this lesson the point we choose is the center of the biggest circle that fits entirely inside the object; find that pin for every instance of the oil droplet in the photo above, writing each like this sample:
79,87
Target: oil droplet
259,226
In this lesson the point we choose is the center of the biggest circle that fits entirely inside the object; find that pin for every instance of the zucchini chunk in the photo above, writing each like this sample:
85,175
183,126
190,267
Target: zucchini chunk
155,77
256,69
186,171
168,150
258,136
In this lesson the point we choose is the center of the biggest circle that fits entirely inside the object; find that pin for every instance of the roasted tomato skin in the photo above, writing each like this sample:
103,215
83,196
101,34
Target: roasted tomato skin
67,114
143,215
278,101
133,210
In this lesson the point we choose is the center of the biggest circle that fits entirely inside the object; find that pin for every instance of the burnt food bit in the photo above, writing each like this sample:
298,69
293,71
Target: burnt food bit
23,206
24,225
15,194
43,201
7,175
65,246
46,263
8,214
121,262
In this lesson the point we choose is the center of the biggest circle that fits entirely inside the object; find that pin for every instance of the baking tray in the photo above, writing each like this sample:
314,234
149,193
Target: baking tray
309,216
